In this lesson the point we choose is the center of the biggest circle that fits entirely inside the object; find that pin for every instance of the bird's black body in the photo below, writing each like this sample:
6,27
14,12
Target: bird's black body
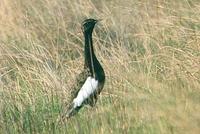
92,68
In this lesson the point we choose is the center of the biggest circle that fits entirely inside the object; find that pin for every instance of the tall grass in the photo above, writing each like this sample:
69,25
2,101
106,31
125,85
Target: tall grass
150,51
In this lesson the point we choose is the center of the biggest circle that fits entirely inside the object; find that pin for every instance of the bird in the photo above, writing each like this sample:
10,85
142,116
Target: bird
90,81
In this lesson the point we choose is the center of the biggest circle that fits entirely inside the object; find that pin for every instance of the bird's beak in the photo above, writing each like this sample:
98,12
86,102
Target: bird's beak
99,20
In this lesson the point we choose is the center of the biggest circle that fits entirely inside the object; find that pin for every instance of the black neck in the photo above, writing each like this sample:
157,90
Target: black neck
89,53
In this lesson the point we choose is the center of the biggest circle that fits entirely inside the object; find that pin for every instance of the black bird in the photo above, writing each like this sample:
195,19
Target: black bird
91,81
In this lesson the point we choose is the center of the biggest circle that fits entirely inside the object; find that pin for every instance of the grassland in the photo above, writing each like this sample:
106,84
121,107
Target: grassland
150,51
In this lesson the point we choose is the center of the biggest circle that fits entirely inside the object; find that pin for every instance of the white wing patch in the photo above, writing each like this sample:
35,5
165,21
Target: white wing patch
87,89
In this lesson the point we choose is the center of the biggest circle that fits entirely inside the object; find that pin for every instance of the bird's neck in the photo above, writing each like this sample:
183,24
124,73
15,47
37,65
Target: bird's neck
89,53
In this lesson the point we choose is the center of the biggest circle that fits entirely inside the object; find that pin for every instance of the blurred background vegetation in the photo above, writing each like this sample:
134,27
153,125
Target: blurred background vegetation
150,51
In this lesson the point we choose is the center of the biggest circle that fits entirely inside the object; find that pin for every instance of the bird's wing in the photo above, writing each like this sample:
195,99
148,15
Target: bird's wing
80,80
88,89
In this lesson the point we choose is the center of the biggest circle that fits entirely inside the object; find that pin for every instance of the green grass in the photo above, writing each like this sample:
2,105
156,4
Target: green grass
149,49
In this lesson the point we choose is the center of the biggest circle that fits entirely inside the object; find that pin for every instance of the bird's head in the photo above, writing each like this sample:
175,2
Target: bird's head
88,25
